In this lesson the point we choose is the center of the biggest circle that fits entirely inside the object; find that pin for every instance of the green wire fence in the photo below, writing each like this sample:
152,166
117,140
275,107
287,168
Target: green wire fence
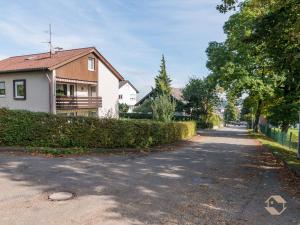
289,139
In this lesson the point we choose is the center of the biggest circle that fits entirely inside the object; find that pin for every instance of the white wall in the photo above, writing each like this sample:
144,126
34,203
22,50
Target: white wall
127,93
82,90
108,89
37,92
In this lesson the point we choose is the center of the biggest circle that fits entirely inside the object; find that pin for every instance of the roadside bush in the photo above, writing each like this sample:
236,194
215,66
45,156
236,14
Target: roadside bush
213,120
150,116
23,128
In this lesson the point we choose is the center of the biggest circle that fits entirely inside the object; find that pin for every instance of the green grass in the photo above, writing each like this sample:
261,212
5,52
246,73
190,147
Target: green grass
289,157
294,132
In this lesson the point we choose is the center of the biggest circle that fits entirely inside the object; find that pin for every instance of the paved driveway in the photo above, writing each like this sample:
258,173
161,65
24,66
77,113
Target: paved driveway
216,179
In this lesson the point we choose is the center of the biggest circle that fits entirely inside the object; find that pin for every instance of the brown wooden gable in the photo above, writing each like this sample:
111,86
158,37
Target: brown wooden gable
78,69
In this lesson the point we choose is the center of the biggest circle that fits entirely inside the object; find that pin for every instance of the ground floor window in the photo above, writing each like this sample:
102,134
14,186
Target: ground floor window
19,89
2,88
61,90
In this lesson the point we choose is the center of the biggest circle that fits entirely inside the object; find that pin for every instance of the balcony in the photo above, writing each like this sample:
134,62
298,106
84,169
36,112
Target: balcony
73,102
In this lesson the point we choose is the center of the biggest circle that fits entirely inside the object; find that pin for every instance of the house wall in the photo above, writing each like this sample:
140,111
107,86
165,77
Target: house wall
37,91
78,69
108,89
129,96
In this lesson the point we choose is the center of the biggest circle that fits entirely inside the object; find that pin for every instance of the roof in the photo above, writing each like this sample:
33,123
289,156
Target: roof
43,61
122,83
176,93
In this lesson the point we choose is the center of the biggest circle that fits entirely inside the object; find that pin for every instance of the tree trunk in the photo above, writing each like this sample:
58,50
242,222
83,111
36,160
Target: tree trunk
257,115
285,127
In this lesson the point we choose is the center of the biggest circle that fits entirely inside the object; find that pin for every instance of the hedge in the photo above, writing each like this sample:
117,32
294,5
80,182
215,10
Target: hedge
150,116
24,128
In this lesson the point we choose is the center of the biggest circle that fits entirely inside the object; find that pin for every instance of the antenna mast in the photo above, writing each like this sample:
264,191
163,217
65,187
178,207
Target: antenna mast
50,40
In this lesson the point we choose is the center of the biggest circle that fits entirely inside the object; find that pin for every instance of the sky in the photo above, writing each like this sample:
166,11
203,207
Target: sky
131,34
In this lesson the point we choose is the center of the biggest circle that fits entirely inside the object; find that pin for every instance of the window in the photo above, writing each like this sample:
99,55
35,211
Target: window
19,89
61,90
91,64
2,88
72,90
132,97
120,96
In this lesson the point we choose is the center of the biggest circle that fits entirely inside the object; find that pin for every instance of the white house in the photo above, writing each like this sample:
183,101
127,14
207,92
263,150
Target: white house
72,82
127,94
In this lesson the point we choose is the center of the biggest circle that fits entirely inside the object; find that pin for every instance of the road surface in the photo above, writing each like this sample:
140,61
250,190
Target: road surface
217,178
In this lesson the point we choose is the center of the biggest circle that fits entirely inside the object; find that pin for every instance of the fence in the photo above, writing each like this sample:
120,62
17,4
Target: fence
289,139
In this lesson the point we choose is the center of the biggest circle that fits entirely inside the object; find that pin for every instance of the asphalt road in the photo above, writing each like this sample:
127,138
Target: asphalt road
215,179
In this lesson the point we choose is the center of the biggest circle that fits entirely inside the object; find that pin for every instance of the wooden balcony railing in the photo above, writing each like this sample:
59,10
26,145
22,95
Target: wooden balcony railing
71,102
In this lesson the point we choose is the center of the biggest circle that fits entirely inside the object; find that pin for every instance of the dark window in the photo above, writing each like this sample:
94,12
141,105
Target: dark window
72,90
19,89
120,96
61,90
2,88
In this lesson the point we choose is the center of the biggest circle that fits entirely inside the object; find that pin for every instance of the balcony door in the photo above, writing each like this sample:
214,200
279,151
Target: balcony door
72,90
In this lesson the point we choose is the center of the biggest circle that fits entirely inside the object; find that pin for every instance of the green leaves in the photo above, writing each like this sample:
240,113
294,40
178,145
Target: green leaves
162,81
202,96
23,128
163,108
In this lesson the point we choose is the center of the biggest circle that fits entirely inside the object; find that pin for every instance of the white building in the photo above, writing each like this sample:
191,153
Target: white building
72,82
127,94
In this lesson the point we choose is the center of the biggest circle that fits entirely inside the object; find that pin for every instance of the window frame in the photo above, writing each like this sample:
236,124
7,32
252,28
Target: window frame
15,89
3,89
94,62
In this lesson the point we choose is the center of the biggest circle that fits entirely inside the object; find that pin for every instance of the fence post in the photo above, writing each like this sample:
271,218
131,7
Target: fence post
290,142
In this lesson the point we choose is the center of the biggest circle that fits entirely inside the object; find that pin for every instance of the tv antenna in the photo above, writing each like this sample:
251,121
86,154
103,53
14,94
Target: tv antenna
50,41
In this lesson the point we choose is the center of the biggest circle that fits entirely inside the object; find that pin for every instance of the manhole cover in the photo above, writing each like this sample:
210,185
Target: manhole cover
61,196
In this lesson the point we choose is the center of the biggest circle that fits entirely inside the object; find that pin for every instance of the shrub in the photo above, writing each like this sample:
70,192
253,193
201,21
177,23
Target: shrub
149,116
163,108
213,120
23,128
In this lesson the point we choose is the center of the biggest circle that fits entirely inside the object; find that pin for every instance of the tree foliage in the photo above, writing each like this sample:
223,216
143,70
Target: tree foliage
201,96
231,112
162,81
260,57
123,108
145,107
163,108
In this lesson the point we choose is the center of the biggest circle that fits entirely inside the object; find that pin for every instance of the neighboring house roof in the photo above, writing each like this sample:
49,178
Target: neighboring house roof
122,83
176,93
43,61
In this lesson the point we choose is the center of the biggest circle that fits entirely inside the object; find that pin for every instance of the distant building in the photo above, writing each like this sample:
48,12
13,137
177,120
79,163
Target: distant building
127,94
176,94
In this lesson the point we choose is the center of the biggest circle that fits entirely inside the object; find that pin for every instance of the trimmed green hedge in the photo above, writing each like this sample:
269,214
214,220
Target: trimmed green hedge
134,115
24,128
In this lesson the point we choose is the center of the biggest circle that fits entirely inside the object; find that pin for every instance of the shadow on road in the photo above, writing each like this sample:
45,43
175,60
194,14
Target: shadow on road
195,184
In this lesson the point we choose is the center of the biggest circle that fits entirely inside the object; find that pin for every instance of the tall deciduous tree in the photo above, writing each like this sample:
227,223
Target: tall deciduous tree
241,66
202,97
231,112
162,81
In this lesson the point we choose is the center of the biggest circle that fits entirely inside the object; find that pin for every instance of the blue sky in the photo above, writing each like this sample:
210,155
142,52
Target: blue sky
131,34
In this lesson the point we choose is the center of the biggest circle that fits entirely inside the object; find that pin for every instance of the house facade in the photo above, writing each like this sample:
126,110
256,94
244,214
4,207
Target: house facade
127,94
79,82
